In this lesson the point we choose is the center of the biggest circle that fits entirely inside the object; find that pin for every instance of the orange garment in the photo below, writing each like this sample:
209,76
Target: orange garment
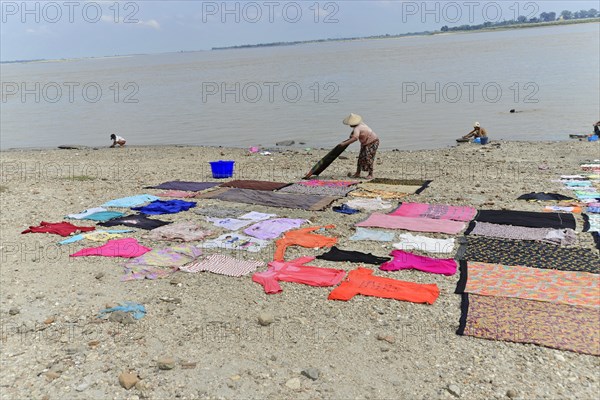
302,237
361,281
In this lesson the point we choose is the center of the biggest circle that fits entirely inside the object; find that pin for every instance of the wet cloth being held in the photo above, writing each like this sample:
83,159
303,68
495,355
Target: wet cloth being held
159,207
435,211
136,221
372,234
413,224
182,231
296,271
131,201
303,237
405,260
362,281
543,196
58,228
335,254
527,218
127,248
273,228
222,265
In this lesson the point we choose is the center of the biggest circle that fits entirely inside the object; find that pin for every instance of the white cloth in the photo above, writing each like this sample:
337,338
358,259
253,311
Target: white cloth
416,242
229,223
119,138
257,216
222,264
236,241
87,213
369,204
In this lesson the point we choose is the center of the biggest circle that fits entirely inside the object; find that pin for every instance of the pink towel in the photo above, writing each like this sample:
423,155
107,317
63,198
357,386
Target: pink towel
127,248
406,260
435,211
413,224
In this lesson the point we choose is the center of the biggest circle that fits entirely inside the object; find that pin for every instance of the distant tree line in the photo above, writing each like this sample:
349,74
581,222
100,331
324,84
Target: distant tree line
544,17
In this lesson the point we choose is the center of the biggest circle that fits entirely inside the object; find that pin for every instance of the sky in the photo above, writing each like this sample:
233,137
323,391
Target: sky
74,29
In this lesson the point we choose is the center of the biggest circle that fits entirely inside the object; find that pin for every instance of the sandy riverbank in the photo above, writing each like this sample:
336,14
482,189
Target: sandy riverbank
216,326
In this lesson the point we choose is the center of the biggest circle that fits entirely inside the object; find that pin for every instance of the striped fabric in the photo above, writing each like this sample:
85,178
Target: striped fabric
223,265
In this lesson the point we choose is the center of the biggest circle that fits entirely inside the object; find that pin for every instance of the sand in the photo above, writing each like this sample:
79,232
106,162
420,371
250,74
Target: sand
55,347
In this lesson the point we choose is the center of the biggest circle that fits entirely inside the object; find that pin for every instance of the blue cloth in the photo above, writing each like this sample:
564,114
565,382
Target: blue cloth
103,216
165,207
371,234
345,209
81,236
131,201
593,209
136,310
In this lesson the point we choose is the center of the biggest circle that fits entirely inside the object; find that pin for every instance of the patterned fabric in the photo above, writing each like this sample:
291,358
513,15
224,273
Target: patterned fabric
369,204
558,326
223,265
366,157
236,241
531,254
182,231
549,235
320,190
566,287
318,182
436,211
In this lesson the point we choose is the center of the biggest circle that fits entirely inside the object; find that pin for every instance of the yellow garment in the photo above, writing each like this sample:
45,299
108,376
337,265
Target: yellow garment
101,236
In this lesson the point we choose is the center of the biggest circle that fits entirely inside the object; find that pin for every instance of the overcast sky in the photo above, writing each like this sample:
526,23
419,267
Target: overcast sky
70,29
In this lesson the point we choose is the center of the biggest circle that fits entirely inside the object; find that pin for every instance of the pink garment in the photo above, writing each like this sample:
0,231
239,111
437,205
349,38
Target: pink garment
406,260
435,211
296,271
127,248
413,224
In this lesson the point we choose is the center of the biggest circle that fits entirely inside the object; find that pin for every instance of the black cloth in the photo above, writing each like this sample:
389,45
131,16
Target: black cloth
596,237
336,254
527,218
530,254
543,196
136,221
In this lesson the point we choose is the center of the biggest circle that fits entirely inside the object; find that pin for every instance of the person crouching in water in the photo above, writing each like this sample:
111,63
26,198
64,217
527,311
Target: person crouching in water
117,140
477,132
369,142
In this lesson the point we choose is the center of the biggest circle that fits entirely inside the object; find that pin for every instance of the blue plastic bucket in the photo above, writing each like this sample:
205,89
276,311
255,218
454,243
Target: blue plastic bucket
592,138
477,140
484,140
221,169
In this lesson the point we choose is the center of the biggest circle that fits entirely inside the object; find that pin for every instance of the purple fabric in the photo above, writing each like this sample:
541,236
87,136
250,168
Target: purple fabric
186,186
272,228
406,260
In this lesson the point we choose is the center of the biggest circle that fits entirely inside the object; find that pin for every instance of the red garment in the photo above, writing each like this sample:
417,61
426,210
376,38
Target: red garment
296,271
361,281
127,248
58,228
302,237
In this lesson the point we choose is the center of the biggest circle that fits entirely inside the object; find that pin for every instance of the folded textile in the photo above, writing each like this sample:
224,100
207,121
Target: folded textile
567,287
58,228
296,271
413,224
362,281
372,234
527,218
159,207
222,265
236,241
136,310
131,201
554,325
305,237
423,243
181,231
87,212
563,237
186,186
405,260
273,228
233,224
96,236
345,209
435,211
543,196
335,254
369,204
136,221
255,185
126,248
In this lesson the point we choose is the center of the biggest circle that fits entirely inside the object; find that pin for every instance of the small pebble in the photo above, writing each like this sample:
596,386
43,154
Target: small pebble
266,319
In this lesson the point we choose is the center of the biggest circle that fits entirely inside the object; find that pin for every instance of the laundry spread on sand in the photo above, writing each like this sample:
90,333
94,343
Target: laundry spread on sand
273,228
181,231
369,204
345,209
236,241
136,310
372,234
554,325
160,263
126,248
435,211
254,185
180,194
409,241
257,216
270,199
543,196
305,237
566,287
404,260
562,237
378,220
333,183
96,236
232,224
185,186
58,228
131,201
296,271
567,209
337,191
422,184
159,207
362,281
104,216
222,265
335,254
591,222
136,221
86,213
527,218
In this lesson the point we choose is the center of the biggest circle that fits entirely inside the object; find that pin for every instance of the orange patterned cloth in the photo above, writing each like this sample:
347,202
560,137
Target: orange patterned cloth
566,287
